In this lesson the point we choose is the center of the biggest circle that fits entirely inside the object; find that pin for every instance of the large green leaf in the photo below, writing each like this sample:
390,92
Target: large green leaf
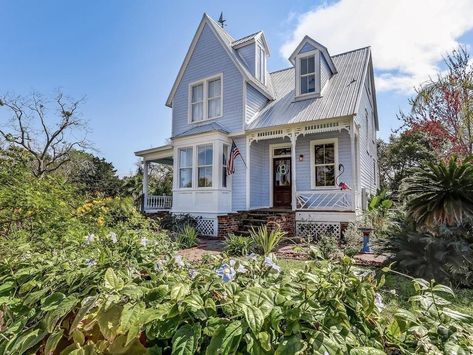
366,350
52,301
53,317
52,341
179,291
226,340
293,345
27,340
87,304
112,281
254,318
131,320
185,340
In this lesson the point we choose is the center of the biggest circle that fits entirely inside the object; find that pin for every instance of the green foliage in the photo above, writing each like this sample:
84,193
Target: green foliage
186,237
266,239
175,222
327,247
238,245
440,193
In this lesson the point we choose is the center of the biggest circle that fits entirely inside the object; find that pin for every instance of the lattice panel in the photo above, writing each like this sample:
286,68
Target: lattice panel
207,227
316,229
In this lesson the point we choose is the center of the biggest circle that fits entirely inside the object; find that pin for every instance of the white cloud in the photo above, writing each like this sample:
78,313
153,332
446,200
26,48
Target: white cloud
408,37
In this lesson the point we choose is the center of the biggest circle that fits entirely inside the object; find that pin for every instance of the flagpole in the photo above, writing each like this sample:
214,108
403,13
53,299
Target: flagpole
241,156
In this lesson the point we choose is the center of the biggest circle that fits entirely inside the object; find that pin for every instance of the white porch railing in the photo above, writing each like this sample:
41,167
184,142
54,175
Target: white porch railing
328,200
158,202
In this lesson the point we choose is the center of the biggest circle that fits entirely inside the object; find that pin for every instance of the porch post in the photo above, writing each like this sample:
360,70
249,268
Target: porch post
247,177
145,184
354,169
293,170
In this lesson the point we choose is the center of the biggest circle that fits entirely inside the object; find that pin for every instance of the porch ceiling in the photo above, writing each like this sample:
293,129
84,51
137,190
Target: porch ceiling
161,155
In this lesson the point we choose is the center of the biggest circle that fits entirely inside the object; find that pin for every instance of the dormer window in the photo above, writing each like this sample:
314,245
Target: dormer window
260,64
307,79
206,99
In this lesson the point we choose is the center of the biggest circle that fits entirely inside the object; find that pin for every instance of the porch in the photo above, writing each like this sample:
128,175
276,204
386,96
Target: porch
151,158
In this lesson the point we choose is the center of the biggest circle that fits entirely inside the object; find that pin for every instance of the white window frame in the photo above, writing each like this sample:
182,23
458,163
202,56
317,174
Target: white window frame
316,93
186,167
313,143
205,114
204,166
260,65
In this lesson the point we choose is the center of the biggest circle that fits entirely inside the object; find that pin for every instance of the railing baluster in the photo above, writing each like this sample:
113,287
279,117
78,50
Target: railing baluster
325,200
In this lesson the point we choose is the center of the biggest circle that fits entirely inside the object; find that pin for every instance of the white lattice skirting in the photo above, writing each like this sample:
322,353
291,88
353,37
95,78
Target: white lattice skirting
317,229
207,227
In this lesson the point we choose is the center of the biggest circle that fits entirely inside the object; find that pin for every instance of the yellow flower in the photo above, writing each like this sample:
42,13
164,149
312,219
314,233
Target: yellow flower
100,221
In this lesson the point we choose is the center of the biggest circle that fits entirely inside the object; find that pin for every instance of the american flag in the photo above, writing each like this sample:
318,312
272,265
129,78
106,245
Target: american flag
234,152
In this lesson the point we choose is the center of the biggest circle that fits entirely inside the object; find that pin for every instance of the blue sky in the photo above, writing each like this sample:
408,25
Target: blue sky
124,55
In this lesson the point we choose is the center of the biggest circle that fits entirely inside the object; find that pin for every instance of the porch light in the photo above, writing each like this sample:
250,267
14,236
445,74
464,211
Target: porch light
301,157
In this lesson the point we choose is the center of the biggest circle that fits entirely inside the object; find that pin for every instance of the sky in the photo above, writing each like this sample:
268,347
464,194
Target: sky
124,55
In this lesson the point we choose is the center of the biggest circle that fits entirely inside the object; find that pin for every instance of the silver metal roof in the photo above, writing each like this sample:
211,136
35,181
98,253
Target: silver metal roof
340,95
213,126
245,39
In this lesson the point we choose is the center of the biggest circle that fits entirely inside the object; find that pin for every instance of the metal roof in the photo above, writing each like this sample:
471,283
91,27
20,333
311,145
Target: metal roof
209,127
245,39
340,95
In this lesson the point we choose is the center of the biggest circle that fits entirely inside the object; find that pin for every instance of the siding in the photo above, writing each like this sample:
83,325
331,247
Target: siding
247,53
239,178
255,101
325,72
210,58
367,150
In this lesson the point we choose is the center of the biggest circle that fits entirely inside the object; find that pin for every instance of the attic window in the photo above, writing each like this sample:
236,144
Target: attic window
261,64
307,75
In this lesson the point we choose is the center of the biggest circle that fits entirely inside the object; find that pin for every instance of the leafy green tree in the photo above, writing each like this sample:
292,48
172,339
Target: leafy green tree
400,155
440,193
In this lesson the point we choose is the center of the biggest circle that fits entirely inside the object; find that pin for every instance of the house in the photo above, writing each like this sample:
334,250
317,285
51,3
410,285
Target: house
306,134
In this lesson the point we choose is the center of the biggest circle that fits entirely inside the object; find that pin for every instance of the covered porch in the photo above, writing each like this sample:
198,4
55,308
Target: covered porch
309,167
160,155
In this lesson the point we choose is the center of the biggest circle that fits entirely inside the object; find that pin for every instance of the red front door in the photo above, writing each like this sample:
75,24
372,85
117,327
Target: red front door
282,191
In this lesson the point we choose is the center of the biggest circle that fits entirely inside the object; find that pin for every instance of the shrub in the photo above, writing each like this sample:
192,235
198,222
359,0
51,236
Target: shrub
238,245
266,240
326,247
186,237
175,222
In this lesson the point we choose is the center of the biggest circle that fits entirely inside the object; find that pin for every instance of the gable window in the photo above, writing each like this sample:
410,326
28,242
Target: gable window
260,64
204,165
324,163
205,99
185,167
307,75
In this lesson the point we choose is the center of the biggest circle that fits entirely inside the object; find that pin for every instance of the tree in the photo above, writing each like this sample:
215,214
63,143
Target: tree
443,108
400,155
48,142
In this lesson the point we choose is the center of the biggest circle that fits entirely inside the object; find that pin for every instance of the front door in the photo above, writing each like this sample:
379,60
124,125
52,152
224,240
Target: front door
282,191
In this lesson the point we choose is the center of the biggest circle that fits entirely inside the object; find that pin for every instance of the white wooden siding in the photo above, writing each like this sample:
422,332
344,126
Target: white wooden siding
255,101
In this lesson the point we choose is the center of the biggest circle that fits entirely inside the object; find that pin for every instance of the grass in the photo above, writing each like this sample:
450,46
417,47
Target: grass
403,290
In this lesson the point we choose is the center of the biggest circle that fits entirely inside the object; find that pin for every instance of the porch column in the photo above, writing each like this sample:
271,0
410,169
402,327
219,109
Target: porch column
145,184
354,164
293,170
247,177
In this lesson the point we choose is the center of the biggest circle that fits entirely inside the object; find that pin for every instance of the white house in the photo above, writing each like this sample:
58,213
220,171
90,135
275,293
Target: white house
307,133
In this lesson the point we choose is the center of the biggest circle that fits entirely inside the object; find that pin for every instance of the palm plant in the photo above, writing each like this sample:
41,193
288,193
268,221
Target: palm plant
440,193
266,240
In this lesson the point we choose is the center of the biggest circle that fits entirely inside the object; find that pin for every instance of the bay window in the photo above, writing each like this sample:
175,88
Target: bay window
205,99
324,163
185,167
204,165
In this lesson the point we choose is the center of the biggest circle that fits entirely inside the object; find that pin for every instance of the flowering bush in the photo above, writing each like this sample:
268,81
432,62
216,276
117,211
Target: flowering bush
116,293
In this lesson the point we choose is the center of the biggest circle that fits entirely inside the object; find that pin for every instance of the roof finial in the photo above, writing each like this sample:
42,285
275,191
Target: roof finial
221,21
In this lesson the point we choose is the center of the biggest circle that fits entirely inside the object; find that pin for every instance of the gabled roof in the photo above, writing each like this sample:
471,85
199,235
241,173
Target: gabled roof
209,127
340,96
226,40
317,45
254,37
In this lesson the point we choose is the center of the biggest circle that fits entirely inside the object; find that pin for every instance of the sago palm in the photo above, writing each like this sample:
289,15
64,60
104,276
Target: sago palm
440,193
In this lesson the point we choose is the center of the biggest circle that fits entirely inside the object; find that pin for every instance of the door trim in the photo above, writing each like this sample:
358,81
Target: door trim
271,157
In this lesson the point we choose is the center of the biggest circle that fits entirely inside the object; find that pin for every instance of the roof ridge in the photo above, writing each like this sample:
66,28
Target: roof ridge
353,50
248,36
280,70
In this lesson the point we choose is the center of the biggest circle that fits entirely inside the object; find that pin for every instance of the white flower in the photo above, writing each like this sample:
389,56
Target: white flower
193,273
159,266
378,302
232,262
179,261
252,256
89,238
90,262
144,241
241,269
269,263
113,237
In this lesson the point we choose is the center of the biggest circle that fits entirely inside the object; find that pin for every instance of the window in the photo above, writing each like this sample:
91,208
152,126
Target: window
214,98
197,102
325,163
286,151
185,167
307,75
204,165
224,165
205,99
261,64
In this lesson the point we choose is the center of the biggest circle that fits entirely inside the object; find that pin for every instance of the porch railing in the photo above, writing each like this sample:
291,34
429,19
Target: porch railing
329,200
158,202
